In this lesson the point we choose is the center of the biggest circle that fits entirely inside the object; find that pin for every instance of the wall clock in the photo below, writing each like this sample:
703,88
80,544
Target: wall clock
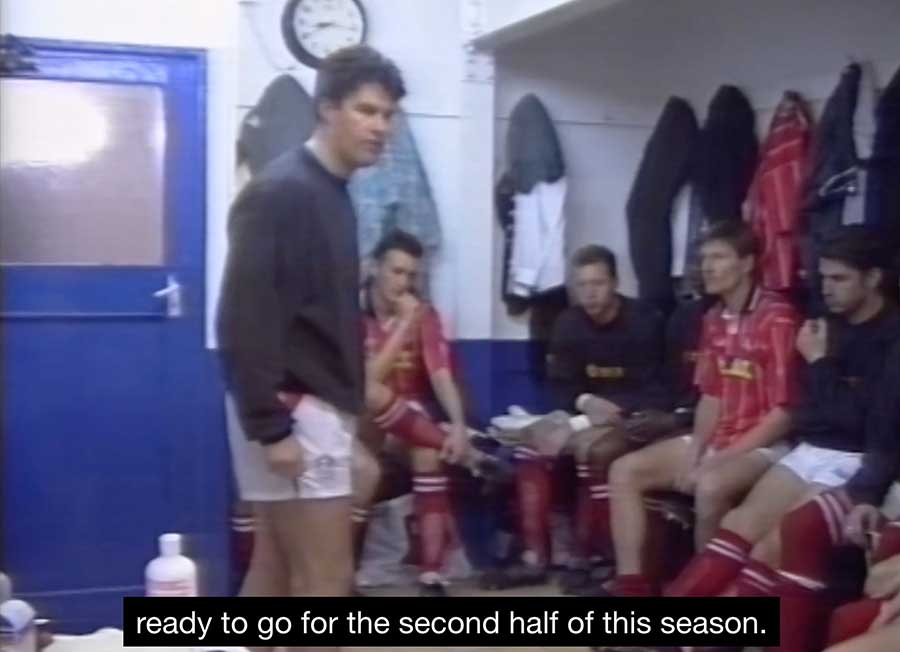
313,29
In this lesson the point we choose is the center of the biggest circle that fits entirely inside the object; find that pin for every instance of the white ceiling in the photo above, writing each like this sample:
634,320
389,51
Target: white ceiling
689,46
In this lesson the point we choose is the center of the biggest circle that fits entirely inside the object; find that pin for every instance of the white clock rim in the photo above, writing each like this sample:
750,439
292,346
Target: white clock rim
357,29
293,27
358,13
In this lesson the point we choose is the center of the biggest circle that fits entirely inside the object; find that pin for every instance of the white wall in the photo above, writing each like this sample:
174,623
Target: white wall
603,114
504,14
205,24
424,39
688,46
803,47
176,23
605,78
509,20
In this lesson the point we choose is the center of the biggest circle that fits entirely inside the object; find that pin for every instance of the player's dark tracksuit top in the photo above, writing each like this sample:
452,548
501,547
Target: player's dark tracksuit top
841,389
683,331
289,315
620,361
881,459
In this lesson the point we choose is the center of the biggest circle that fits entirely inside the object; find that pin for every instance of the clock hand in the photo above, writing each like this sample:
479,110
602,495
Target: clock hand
342,27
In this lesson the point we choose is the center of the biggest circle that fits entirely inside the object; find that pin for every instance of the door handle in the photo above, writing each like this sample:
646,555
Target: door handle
172,295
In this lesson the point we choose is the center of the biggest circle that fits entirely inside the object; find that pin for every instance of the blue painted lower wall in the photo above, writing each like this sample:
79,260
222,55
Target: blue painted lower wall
72,545
493,375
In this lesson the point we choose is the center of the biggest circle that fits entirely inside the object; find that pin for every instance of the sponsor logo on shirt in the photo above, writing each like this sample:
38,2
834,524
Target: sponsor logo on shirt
738,368
606,373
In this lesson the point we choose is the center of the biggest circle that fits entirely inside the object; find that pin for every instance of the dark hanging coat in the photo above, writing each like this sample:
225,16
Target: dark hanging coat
664,168
883,188
282,119
727,155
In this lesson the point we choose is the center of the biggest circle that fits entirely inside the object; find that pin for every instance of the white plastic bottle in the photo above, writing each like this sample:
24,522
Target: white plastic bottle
171,575
5,588
17,627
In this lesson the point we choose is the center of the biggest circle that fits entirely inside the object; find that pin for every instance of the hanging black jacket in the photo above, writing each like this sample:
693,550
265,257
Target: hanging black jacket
283,117
833,164
883,184
533,152
833,173
664,169
727,155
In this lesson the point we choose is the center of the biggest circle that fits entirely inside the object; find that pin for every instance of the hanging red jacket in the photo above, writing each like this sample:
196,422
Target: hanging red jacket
774,200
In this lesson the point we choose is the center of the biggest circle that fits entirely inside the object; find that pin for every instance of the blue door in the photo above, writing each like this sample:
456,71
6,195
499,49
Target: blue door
111,408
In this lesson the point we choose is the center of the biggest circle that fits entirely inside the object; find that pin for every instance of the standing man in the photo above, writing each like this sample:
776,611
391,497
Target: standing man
291,337
746,376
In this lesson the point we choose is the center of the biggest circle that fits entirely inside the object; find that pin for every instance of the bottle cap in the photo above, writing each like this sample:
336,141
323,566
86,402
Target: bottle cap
170,544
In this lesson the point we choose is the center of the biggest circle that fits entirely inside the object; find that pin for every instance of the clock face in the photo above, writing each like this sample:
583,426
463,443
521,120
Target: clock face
313,29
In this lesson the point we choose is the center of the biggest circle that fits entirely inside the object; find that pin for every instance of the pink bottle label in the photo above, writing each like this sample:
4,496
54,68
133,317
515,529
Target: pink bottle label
171,589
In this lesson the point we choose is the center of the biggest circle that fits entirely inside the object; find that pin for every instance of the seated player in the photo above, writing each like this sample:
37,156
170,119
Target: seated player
605,358
409,386
682,339
746,377
808,579
845,356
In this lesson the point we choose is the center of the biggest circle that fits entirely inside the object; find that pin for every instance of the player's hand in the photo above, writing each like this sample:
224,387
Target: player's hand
290,400
456,445
285,458
409,308
883,580
650,425
812,340
600,410
718,458
601,420
861,520
686,477
550,434
888,613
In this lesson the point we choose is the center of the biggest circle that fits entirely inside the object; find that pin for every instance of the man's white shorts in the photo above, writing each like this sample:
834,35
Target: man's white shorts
772,453
891,505
834,468
326,435
822,466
